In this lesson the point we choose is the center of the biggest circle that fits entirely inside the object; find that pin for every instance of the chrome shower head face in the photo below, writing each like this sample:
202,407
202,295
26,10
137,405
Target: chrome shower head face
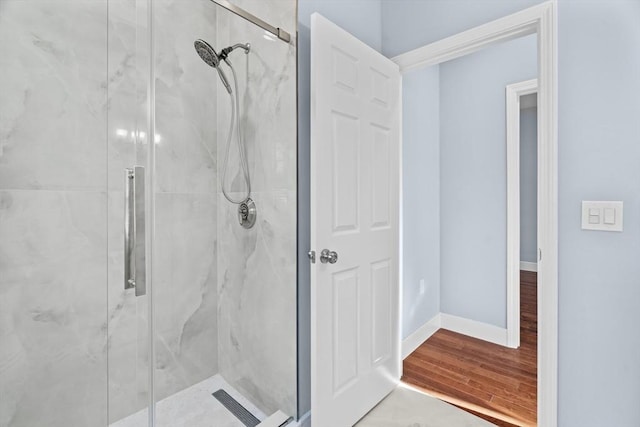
207,53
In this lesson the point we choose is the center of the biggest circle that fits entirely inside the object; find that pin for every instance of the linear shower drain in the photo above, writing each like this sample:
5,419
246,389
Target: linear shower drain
236,408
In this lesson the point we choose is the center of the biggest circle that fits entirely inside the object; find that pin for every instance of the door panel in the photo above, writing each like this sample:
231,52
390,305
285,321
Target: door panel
380,178
381,319
345,331
355,167
345,175
129,316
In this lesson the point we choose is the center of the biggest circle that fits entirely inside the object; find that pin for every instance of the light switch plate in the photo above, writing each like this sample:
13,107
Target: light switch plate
602,216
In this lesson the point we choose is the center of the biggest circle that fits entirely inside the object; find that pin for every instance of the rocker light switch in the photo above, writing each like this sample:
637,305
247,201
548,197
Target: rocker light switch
602,216
609,216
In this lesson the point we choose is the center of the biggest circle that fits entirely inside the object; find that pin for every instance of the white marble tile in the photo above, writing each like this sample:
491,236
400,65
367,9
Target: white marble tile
128,333
185,98
53,75
185,291
129,67
126,92
128,380
194,407
267,87
184,259
408,407
53,365
257,301
257,267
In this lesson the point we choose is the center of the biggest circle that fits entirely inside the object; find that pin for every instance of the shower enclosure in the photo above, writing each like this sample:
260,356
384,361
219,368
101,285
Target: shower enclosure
112,129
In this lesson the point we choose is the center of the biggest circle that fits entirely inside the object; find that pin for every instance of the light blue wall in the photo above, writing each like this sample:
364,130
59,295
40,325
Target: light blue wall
409,24
421,197
599,152
528,184
363,19
599,158
473,178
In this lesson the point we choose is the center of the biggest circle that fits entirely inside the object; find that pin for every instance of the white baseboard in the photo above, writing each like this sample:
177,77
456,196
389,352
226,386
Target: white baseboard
474,329
528,266
423,333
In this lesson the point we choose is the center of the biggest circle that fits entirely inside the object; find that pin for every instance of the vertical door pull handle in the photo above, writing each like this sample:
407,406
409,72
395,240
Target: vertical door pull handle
134,231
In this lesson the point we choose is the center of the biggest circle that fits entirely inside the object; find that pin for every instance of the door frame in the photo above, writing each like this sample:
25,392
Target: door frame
541,20
513,92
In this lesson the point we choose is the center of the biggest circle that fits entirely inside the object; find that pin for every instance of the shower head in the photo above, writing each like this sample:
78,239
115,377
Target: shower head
211,57
207,53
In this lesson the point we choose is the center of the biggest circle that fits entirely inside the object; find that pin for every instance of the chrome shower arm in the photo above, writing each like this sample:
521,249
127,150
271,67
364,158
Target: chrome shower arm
227,50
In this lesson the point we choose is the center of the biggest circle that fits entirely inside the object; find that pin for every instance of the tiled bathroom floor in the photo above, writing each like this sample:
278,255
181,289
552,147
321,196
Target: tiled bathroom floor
194,407
406,406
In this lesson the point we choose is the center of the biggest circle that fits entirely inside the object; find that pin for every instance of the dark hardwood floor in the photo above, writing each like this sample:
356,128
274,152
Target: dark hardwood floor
496,383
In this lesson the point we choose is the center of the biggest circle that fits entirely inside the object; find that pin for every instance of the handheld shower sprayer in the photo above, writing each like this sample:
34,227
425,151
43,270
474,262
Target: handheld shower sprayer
212,58
246,209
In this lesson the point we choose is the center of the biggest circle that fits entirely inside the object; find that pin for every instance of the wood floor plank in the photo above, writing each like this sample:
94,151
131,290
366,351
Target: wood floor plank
488,380
472,373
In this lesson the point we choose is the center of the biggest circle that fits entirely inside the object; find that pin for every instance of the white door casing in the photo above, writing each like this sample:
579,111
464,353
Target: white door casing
355,204
513,93
542,20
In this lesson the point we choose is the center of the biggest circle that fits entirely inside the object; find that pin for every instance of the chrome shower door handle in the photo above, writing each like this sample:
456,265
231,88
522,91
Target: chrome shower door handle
327,256
129,230
134,231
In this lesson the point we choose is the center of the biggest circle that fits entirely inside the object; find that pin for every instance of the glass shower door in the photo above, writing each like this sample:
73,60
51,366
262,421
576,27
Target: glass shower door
74,344
129,200
74,115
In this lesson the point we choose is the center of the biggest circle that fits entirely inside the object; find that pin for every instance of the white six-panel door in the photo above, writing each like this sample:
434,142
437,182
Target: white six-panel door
355,190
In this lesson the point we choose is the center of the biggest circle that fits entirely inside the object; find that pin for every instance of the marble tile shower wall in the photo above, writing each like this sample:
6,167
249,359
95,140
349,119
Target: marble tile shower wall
53,213
225,297
185,258
257,267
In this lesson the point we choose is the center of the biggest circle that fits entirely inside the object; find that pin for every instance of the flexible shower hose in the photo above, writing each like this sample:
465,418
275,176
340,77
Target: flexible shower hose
235,124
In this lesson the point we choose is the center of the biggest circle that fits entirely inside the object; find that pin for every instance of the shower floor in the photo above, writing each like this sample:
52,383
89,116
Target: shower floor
194,407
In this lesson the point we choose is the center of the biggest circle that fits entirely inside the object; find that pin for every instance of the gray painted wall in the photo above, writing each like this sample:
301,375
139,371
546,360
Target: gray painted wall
473,178
599,153
363,19
528,184
421,197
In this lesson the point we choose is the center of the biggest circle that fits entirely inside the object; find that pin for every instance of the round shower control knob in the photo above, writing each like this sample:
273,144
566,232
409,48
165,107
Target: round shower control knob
247,213
327,256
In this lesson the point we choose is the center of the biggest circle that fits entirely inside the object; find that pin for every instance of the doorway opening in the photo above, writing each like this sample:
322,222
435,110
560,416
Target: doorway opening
543,407
498,381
